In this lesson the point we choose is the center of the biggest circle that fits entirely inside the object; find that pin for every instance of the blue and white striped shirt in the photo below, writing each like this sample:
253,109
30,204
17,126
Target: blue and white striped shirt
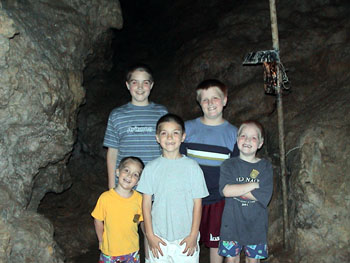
131,129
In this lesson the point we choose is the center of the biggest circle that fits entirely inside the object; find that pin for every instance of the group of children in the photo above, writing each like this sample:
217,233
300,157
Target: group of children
198,181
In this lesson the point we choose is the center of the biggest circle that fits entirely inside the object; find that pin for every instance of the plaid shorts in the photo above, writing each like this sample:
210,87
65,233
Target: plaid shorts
129,258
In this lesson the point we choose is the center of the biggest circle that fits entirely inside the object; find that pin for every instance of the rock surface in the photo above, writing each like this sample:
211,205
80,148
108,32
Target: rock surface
44,46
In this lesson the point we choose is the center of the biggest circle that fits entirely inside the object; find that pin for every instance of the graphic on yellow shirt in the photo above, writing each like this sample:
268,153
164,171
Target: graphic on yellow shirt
136,218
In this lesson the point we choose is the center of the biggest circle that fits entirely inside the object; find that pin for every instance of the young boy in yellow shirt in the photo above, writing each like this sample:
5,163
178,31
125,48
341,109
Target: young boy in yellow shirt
117,214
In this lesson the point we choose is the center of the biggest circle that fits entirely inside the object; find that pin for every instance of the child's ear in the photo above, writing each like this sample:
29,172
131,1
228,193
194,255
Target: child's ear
127,85
117,171
224,101
183,137
157,138
261,144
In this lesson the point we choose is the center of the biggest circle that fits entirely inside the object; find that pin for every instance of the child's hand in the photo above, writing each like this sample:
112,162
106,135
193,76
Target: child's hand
191,245
154,245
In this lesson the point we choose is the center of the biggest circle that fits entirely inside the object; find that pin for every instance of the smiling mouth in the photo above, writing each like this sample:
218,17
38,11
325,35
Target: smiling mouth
127,181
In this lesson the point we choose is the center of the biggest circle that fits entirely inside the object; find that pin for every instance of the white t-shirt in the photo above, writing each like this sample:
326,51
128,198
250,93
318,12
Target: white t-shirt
174,184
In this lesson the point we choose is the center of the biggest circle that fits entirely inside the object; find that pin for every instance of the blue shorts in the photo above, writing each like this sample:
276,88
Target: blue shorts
129,258
231,249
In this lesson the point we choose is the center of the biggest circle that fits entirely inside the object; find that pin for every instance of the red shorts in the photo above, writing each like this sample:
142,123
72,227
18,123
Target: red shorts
211,223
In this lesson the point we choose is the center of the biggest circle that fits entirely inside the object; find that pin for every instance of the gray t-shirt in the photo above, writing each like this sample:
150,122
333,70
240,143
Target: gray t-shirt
245,220
174,184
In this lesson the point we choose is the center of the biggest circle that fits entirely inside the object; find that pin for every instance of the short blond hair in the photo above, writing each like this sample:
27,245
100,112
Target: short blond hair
211,83
258,126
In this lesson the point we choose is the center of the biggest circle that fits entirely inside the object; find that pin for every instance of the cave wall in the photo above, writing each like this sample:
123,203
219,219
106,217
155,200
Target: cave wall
44,48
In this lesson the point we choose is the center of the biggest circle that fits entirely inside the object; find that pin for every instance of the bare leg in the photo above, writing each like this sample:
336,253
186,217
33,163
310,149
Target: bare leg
235,259
145,241
251,260
214,256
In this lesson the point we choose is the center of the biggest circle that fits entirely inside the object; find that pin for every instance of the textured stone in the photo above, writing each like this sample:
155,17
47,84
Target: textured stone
32,240
44,46
321,194
4,242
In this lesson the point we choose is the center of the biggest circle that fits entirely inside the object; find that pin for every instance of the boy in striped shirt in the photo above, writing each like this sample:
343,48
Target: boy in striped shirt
210,140
131,127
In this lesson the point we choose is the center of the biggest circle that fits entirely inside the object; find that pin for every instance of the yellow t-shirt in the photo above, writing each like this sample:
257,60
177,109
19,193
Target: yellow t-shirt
121,217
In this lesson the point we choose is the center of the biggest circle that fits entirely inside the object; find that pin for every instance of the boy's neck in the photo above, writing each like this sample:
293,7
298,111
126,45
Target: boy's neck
172,155
249,158
138,103
212,122
123,192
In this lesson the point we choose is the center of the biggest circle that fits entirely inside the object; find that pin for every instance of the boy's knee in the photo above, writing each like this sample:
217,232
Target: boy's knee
252,260
232,259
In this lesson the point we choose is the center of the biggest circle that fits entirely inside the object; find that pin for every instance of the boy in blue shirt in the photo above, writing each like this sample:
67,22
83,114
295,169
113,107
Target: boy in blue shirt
210,140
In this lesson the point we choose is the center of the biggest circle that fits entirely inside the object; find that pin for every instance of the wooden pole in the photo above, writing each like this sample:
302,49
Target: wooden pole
275,42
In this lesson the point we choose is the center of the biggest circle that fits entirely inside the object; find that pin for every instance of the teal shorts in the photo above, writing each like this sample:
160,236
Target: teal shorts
233,248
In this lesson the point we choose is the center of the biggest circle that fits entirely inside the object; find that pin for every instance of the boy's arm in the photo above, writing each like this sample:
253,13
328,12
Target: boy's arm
112,155
233,190
264,192
191,239
99,225
249,196
153,240
228,176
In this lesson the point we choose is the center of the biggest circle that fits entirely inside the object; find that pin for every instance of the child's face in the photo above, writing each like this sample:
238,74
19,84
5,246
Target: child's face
212,102
129,174
248,141
170,136
140,86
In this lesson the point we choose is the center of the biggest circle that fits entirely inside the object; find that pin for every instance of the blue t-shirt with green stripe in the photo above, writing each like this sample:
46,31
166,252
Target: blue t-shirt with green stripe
210,146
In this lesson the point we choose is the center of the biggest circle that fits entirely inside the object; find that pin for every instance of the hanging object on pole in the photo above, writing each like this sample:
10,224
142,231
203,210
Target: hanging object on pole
259,57
270,60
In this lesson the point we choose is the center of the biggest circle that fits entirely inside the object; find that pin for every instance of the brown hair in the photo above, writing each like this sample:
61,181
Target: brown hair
138,67
210,83
171,118
133,158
